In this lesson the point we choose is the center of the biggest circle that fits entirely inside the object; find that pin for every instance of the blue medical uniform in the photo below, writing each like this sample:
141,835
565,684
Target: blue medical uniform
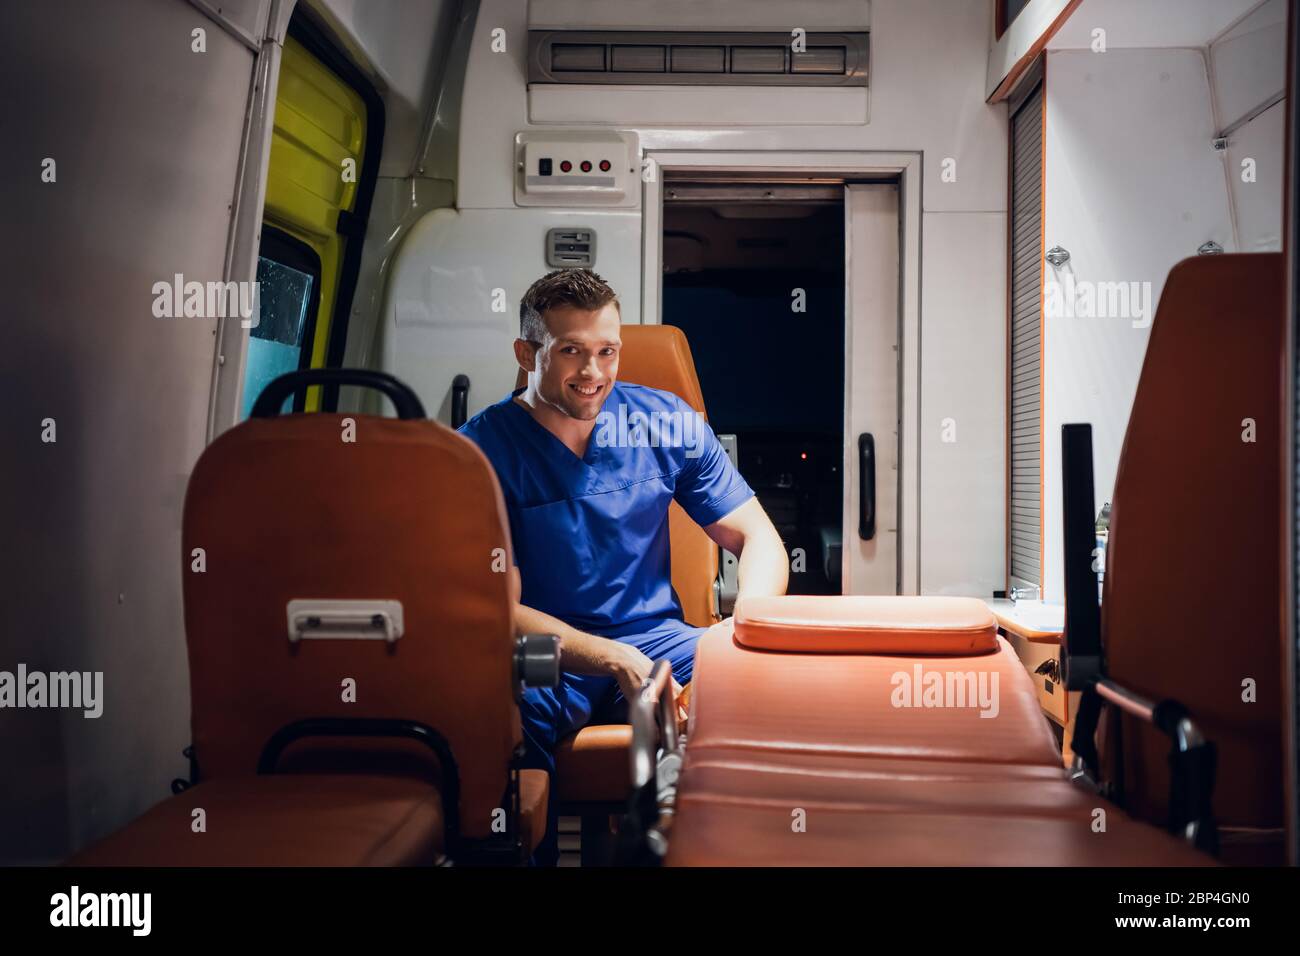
590,538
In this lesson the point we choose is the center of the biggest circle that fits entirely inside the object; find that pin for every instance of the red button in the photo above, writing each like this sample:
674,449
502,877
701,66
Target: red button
586,166
604,165
565,166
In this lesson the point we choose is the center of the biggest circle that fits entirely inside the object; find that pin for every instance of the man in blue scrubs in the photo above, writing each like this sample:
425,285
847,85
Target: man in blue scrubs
588,466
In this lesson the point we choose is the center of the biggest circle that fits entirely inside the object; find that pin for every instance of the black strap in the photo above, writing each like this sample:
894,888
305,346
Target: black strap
1084,742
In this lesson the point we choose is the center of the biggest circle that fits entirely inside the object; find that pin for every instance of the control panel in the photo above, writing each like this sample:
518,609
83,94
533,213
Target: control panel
576,168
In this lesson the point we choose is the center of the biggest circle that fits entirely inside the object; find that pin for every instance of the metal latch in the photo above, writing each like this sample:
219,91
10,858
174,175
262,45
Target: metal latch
344,620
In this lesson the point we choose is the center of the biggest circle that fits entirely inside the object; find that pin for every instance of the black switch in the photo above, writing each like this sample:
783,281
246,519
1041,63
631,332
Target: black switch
543,167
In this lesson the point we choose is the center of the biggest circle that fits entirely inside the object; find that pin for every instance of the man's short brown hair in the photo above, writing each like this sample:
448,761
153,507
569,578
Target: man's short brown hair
579,288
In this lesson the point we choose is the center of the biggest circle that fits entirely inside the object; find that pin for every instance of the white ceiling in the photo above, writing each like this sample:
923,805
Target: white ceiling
1150,23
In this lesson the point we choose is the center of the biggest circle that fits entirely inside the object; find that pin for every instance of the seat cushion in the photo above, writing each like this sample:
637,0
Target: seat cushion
594,765
854,704
826,624
284,820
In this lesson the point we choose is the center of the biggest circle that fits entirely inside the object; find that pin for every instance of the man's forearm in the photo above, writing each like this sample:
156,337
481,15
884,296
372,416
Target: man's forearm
762,570
580,652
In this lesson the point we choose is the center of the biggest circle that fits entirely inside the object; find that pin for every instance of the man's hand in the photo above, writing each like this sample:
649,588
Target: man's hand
582,653
630,667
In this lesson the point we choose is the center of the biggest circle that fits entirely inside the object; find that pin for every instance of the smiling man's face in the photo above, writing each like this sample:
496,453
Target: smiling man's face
578,363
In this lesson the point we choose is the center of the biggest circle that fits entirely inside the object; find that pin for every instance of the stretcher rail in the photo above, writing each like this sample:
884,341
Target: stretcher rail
656,756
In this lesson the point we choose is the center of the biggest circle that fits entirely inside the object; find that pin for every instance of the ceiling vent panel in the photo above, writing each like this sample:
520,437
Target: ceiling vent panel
631,57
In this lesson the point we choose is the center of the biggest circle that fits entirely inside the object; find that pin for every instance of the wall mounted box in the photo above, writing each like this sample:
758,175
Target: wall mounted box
589,167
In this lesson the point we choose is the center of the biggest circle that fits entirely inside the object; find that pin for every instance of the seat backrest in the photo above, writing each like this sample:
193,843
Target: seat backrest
1191,597
658,356
409,511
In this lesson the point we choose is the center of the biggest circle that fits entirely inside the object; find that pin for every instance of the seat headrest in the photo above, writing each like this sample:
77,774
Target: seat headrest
853,624
657,356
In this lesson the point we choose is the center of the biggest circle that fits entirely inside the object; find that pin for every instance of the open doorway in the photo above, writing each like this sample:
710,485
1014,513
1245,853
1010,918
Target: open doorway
754,274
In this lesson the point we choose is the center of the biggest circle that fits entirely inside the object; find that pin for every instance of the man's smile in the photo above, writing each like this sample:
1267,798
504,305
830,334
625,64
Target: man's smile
587,391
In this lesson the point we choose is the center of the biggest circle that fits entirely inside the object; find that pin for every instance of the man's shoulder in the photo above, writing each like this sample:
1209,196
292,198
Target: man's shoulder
645,398
488,423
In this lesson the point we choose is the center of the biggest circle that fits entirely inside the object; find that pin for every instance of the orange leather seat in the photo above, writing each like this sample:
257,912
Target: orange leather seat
301,820
1192,594
804,750
292,819
593,766
409,513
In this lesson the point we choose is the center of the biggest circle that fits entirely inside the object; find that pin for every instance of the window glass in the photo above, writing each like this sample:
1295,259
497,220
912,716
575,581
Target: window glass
275,343
1013,9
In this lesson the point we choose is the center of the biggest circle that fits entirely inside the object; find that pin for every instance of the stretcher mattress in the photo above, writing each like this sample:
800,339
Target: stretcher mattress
935,757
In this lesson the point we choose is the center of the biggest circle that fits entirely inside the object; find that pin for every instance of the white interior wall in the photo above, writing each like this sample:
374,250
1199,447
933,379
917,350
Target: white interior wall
1257,206
940,113
1132,186
146,174
1248,69
1141,24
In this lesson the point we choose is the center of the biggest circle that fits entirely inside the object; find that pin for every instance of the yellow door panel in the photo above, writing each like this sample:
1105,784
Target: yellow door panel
320,122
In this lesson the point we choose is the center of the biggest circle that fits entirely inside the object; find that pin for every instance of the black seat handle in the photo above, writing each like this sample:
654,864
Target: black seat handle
277,390
459,400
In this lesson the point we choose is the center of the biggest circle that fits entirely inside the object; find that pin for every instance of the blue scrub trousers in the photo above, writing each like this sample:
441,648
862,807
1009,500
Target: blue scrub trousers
549,714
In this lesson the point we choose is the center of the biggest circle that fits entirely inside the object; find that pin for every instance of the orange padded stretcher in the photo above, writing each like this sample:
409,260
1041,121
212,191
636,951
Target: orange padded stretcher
812,739
882,731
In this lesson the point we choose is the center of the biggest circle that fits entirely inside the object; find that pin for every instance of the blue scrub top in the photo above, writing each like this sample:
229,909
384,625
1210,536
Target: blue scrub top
590,534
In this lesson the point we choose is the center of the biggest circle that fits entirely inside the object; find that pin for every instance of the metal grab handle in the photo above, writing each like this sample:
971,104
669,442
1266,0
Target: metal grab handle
1192,758
459,400
354,620
404,400
866,486
653,715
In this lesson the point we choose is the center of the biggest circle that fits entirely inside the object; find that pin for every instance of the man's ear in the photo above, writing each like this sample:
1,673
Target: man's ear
526,355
